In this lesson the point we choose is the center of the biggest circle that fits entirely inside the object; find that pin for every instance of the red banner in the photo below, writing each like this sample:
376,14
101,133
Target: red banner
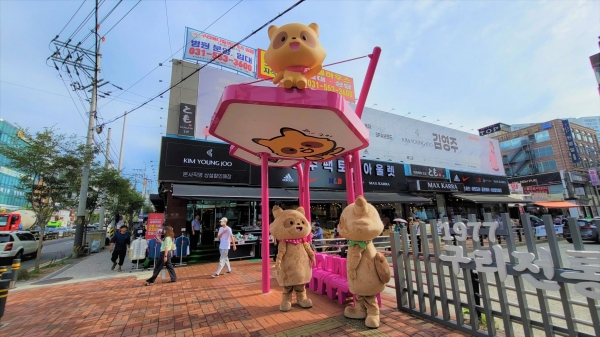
535,189
155,223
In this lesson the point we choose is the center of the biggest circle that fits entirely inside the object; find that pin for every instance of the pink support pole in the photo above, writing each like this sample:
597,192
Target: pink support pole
301,187
264,189
349,179
307,190
358,183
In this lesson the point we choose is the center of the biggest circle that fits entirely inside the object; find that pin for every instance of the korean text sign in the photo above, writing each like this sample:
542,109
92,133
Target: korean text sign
204,47
573,152
155,222
326,80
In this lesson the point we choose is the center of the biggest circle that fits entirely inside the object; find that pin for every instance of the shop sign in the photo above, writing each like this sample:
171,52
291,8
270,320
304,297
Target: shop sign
519,133
187,120
435,186
541,230
155,223
579,191
538,179
488,130
578,178
426,171
515,188
200,162
556,197
480,183
539,196
536,189
594,177
573,152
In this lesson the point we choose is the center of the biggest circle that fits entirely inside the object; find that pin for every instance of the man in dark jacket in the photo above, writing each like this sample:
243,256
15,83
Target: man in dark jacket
119,244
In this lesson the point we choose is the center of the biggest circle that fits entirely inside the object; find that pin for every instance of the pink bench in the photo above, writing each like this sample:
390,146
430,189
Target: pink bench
329,278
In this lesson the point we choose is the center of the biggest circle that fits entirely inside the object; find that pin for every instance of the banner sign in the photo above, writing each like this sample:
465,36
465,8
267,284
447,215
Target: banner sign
488,130
579,178
203,47
573,152
538,179
536,189
481,183
541,230
200,162
435,186
326,80
515,188
426,171
155,223
594,177
187,120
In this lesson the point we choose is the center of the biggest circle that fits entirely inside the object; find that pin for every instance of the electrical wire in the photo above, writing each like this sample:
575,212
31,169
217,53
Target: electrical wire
85,21
71,19
168,30
101,21
111,28
209,62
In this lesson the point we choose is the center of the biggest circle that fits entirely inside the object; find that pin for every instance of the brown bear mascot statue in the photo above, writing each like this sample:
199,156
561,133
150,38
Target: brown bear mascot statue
294,256
368,270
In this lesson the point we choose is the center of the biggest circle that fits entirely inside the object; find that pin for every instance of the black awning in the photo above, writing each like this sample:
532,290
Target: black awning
372,197
490,199
203,192
323,196
158,203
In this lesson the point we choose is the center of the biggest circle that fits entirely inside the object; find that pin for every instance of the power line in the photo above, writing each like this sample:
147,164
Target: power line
121,18
209,62
71,18
85,21
168,29
101,21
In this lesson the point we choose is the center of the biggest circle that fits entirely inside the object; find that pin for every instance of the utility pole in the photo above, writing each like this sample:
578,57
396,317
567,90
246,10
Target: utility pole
79,231
103,195
122,143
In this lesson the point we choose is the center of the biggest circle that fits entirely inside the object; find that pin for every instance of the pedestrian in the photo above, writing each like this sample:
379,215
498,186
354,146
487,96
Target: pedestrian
226,238
317,235
195,232
167,248
119,244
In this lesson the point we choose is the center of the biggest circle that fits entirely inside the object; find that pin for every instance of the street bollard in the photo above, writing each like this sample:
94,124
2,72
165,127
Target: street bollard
4,284
3,269
15,269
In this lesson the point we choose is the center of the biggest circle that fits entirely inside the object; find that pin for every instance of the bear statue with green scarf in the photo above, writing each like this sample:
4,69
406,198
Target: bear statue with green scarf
368,271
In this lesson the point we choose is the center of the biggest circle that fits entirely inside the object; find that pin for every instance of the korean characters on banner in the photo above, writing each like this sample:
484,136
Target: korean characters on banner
155,223
585,265
326,80
204,47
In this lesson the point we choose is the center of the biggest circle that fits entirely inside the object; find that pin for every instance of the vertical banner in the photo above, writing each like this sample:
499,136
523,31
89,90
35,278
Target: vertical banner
573,152
594,177
187,120
155,222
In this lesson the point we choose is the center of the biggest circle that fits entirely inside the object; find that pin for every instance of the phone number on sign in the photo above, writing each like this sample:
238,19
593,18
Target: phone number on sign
223,58
328,87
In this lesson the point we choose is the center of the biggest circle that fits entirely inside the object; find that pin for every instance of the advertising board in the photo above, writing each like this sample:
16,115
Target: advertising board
325,80
203,47
481,183
155,223
187,120
573,151
401,139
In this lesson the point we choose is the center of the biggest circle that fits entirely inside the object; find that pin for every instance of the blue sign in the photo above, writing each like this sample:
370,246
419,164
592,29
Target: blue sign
573,152
546,126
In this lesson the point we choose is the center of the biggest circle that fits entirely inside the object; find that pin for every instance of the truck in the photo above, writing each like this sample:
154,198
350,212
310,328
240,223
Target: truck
22,218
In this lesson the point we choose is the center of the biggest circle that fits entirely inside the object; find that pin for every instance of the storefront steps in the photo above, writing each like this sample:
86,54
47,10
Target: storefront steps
202,254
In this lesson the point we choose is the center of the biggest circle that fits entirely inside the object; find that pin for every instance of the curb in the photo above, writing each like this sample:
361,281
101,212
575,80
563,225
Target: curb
47,263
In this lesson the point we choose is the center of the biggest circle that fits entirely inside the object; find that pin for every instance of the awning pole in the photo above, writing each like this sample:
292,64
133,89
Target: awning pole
301,187
264,186
307,190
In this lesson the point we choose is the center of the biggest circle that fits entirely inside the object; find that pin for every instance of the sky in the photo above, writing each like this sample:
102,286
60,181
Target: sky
468,63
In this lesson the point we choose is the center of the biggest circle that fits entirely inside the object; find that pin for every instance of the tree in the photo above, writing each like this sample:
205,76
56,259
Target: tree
51,165
148,208
105,184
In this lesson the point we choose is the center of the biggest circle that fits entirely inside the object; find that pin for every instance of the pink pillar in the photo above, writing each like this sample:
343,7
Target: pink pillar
350,197
307,189
301,187
358,183
264,188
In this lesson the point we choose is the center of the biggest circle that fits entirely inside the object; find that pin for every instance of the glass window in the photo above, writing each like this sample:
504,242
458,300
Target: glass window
547,166
542,152
577,135
541,137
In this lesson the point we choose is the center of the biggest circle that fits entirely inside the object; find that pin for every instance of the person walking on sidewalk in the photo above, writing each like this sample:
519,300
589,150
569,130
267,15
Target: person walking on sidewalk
225,236
195,233
167,248
119,244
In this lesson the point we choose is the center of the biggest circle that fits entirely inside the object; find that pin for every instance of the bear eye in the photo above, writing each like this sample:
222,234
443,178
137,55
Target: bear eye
311,144
283,39
289,150
303,37
291,222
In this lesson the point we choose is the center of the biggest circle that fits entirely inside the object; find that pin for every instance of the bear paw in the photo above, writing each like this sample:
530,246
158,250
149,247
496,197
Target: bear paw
288,83
301,84
372,321
305,303
285,306
355,313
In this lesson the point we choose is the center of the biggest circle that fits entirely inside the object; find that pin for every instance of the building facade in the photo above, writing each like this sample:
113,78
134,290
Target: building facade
10,197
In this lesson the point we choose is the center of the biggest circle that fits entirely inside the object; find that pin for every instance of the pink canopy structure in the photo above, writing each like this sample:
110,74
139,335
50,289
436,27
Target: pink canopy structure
277,127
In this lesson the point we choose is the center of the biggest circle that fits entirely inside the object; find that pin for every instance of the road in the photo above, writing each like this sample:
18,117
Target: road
53,249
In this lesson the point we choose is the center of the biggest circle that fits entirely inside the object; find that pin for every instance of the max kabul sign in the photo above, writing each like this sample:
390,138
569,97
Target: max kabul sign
203,47
325,80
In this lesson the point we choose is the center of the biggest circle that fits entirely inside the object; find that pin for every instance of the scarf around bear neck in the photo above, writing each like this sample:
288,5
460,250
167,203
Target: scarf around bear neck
299,241
361,244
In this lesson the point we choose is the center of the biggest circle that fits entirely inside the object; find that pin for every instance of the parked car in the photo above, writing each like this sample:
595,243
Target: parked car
17,244
587,228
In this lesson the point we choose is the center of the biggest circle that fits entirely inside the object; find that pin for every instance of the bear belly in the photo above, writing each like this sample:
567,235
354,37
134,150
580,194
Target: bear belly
367,282
295,266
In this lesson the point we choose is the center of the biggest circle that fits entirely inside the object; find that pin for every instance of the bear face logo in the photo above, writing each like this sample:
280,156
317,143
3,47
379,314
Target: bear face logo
360,221
289,224
295,144
294,45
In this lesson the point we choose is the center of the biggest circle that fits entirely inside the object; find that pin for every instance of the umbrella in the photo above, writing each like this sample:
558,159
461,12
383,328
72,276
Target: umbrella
400,220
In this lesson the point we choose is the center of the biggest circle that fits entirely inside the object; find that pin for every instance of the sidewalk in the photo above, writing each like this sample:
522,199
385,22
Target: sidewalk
197,305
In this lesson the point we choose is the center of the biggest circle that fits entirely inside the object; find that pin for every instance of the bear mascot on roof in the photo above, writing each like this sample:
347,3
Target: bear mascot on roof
368,270
295,54
294,255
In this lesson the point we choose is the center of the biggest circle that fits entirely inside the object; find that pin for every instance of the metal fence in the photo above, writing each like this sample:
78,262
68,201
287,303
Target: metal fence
449,286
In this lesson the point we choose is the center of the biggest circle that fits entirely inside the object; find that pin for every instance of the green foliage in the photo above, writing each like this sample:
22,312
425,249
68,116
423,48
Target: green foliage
148,208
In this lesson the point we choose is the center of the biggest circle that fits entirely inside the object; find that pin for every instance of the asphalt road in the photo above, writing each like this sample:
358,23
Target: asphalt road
53,249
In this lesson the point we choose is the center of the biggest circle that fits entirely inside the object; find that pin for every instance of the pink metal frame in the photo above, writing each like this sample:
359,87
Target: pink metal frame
353,169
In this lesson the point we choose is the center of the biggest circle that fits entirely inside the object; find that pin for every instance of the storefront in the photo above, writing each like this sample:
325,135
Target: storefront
430,183
584,194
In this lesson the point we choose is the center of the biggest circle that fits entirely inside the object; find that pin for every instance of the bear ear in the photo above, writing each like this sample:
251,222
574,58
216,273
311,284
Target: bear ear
272,30
315,27
360,206
285,131
301,210
277,211
259,141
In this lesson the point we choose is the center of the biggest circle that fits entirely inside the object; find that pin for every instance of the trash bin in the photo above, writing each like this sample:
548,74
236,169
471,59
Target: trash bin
95,240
